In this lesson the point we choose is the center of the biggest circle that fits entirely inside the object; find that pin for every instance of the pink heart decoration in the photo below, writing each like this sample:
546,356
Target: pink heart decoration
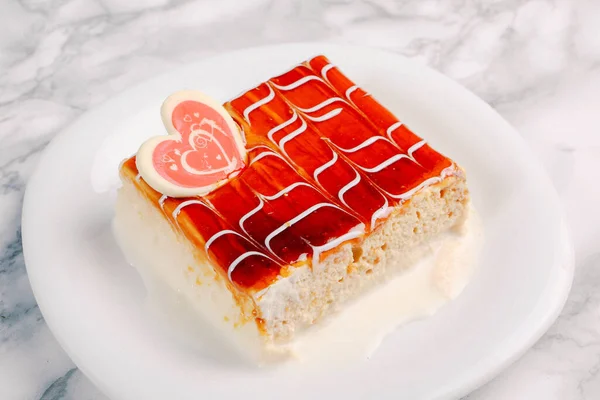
204,147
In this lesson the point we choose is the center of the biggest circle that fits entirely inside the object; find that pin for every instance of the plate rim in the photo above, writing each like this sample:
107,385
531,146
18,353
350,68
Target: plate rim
468,385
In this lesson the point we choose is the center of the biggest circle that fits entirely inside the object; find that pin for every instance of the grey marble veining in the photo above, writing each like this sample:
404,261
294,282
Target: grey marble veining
536,61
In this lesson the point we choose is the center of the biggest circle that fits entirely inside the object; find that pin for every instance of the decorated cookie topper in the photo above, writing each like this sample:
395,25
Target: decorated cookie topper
202,149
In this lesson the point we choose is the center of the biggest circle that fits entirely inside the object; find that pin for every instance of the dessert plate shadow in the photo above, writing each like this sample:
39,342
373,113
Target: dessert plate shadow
94,302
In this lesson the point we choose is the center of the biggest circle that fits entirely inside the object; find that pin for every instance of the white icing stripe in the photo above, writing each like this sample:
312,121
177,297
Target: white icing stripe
298,83
322,104
217,235
412,191
385,164
186,203
268,154
281,126
381,212
260,146
448,171
294,220
353,233
241,258
265,154
161,201
416,147
445,172
326,69
392,128
323,167
326,116
350,90
251,213
287,190
259,103
292,135
234,174
364,144
349,186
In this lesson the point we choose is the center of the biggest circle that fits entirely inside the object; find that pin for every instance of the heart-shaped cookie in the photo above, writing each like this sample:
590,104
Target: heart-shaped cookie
202,149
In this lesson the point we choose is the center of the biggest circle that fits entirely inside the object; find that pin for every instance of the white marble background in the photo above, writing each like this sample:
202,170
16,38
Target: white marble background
536,61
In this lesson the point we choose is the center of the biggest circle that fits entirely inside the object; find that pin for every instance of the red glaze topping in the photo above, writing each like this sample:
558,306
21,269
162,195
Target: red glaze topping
325,162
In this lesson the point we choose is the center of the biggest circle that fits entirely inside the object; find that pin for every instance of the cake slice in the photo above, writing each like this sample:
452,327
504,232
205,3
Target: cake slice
335,195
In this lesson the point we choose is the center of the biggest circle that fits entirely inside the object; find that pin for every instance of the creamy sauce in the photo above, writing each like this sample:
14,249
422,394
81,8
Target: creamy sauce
356,333
349,336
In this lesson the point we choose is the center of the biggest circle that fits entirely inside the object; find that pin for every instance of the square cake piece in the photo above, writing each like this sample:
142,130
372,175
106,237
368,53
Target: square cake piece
335,195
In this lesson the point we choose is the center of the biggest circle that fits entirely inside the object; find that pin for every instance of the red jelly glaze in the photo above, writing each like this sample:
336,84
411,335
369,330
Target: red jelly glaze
272,174
307,151
380,116
349,129
199,222
266,204
236,200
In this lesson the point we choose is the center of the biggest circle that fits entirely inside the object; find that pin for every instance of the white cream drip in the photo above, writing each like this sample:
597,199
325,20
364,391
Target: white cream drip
294,220
392,128
423,184
322,104
298,83
251,213
186,203
259,103
326,116
323,167
218,235
420,186
286,190
241,258
260,146
161,201
415,147
355,232
326,69
384,164
349,91
292,135
364,144
347,187
269,153
382,212
281,126
387,162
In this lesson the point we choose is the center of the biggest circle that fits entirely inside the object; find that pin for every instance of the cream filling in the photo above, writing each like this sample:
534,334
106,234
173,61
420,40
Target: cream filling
356,332
183,295
184,299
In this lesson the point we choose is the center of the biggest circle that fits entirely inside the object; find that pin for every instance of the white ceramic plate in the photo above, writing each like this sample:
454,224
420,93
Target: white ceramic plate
94,302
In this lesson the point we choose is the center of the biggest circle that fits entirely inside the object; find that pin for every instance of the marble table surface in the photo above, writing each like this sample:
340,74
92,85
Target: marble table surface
536,61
